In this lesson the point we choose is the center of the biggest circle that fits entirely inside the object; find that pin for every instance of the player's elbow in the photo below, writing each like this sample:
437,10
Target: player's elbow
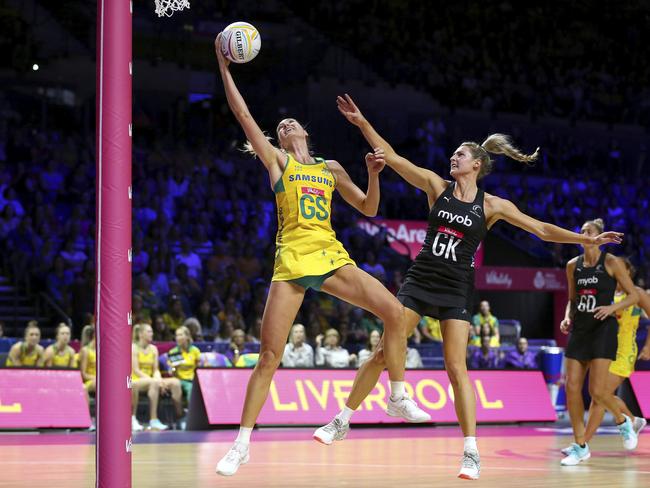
367,210
544,232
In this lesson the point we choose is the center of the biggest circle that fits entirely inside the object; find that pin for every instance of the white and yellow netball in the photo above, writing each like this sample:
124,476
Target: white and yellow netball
240,42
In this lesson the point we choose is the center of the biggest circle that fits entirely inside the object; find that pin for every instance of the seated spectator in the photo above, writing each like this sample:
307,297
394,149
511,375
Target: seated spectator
146,376
332,355
486,357
139,313
74,259
297,353
160,330
238,346
60,354
58,281
370,322
188,257
413,358
371,346
372,267
176,316
2,329
184,358
485,331
430,329
255,332
225,332
521,358
151,303
208,320
27,352
194,326
485,317
249,265
230,312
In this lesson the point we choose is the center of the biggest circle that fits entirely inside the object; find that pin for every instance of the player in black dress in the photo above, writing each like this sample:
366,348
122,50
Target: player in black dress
440,282
590,312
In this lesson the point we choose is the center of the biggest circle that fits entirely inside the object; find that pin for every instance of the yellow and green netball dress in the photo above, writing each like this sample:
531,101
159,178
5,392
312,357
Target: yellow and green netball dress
62,359
145,362
91,367
628,323
26,359
307,250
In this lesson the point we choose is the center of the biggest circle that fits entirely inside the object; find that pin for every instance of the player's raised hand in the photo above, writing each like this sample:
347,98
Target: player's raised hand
350,111
375,161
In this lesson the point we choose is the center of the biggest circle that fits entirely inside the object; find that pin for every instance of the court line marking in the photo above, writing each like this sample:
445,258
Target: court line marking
572,469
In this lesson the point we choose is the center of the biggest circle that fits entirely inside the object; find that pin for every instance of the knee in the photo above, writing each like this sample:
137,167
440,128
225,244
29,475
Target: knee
573,385
457,371
597,394
378,358
268,362
393,316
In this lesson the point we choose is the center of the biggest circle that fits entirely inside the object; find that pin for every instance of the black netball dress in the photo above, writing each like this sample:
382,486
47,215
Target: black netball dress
440,282
592,338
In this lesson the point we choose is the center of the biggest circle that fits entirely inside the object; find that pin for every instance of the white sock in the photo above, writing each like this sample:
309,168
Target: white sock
345,415
470,444
397,389
244,436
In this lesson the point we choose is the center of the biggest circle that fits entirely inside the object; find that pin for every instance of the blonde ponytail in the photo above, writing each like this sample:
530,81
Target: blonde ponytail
498,144
247,147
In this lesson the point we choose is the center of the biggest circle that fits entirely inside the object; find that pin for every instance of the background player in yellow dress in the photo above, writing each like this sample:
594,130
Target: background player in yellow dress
146,377
88,359
60,354
27,352
308,255
184,358
626,356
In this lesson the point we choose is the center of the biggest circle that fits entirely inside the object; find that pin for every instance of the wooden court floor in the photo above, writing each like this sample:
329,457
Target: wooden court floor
377,458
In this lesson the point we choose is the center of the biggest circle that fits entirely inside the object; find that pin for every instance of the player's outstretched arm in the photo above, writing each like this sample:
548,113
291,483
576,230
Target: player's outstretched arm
424,179
271,156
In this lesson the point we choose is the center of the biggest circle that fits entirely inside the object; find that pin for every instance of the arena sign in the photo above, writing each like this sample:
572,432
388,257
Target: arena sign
303,397
41,398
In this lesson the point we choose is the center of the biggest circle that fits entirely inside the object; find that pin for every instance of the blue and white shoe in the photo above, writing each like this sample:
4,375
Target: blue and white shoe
576,455
639,424
629,435
156,424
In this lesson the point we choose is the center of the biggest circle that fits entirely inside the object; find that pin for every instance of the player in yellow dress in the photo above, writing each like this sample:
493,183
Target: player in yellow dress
27,352
146,377
60,354
626,356
308,255
88,359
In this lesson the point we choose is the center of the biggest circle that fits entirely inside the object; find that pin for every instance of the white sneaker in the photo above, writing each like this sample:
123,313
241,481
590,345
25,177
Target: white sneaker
135,425
156,424
576,455
639,424
235,457
336,430
470,467
630,437
407,409
567,450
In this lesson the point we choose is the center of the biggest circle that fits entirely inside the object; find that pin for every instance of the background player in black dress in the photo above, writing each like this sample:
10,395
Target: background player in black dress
440,282
592,278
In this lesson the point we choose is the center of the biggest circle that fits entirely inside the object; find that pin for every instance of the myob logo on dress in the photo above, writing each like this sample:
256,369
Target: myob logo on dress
451,218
